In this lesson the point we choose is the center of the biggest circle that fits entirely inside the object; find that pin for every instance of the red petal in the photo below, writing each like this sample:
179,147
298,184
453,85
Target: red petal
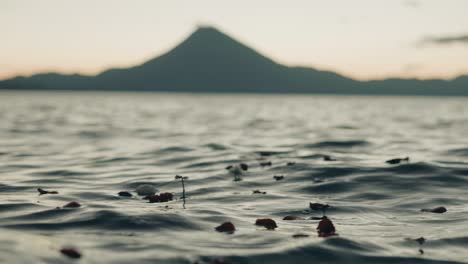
266,222
226,227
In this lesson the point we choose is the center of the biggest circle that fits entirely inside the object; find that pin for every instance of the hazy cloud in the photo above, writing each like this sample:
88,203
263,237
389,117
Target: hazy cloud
412,67
412,3
442,40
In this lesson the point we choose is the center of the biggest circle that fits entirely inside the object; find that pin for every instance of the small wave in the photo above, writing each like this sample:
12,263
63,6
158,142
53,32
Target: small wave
311,156
324,254
168,150
10,188
419,167
215,146
455,241
111,160
339,144
28,131
59,173
366,196
93,134
459,152
330,187
111,220
134,184
16,206
266,153
205,164
343,243
51,214
22,166
177,160
347,127
330,172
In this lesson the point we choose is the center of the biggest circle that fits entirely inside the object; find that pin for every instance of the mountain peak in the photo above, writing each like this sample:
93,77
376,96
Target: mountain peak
214,49
209,36
207,29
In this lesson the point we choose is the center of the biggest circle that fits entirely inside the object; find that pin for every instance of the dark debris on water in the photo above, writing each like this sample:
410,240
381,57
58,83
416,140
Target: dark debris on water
328,158
326,228
278,177
318,206
42,191
397,160
265,164
420,240
125,194
72,205
226,227
437,210
241,166
300,235
161,198
71,252
292,218
268,223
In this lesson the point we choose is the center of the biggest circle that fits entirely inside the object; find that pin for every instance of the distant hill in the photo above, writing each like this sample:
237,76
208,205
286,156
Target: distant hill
210,61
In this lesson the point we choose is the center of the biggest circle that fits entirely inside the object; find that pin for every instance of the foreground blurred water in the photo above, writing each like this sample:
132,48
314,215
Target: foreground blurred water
90,146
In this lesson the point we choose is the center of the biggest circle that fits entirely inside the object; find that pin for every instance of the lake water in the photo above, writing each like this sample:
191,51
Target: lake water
90,146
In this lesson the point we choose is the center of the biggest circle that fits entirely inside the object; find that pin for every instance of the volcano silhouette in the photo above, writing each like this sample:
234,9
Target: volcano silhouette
211,61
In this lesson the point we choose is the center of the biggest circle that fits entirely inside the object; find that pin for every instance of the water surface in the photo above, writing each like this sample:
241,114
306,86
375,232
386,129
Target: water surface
90,146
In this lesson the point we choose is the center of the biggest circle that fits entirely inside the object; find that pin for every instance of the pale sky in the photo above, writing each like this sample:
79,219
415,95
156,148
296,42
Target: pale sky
363,39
